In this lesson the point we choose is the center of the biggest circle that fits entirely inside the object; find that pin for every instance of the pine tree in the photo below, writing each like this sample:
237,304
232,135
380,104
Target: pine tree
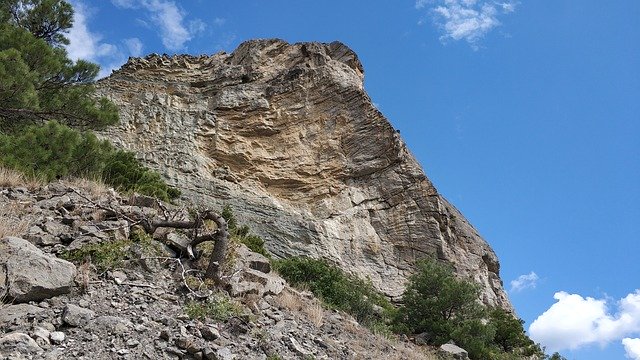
38,81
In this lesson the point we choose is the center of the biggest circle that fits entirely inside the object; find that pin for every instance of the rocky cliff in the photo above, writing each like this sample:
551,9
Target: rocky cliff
286,135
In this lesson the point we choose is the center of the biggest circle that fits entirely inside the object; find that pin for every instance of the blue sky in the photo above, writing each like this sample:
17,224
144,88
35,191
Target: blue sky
525,114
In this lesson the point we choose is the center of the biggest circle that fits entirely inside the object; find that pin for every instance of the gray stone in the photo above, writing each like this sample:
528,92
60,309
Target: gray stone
57,337
142,201
209,333
74,315
41,336
225,354
18,342
454,351
253,260
112,324
293,343
32,275
422,339
18,313
178,241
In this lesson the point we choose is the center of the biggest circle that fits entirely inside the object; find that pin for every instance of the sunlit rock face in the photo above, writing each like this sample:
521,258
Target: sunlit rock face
286,135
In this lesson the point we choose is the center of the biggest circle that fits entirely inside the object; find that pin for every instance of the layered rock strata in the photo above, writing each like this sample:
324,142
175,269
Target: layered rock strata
286,135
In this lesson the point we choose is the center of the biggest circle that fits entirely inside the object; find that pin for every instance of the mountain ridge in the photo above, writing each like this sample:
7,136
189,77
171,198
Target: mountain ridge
286,135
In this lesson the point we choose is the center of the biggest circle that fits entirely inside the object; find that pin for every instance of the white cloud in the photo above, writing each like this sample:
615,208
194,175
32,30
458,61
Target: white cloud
421,3
219,21
134,45
632,348
170,20
468,20
574,321
88,45
527,281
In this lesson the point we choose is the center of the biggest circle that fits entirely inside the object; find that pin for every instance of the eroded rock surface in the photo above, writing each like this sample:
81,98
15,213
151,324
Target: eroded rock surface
286,135
28,274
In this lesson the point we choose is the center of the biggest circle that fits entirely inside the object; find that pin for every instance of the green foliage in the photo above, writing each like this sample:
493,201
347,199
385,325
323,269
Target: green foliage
436,302
104,255
227,214
45,19
111,254
510,335
556,356
337,289
37,79
446,308
217,308
242,233
55,151
124,171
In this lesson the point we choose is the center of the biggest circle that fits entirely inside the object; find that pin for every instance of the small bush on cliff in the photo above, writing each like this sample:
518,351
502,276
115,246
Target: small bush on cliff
446,308
217,308
111,254
337,289
52,151
242,233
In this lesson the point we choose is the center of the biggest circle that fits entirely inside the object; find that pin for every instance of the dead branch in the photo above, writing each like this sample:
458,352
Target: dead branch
219,236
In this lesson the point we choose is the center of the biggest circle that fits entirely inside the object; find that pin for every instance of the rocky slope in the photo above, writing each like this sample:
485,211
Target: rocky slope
140,307
286,135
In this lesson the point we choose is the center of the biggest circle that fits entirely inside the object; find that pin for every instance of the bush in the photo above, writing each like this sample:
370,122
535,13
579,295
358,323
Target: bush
123,171
107,255
436,302
446,308
242,233
337,289
53,151
217,308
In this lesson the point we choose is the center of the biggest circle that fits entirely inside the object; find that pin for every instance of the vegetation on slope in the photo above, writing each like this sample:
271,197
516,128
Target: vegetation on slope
42,91
38,81
444,308
338,289
53,151
436,305
241,233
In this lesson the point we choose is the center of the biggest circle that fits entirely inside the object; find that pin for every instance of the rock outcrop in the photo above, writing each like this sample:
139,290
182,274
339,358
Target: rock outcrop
28,274
286,135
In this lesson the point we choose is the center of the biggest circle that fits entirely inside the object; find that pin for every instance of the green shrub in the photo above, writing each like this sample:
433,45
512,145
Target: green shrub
111,254
104,256
510,335
52,151
242,233
217,308
436,302
123,171
337,289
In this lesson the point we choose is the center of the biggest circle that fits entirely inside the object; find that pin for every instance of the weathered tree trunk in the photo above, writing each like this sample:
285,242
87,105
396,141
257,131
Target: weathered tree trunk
220,237
216,261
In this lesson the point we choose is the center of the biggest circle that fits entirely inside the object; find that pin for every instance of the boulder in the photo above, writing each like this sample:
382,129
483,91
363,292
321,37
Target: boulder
31,275
74,315
454,351
19,343
19,312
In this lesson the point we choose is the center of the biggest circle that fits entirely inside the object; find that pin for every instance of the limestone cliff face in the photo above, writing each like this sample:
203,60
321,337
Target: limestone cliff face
286,135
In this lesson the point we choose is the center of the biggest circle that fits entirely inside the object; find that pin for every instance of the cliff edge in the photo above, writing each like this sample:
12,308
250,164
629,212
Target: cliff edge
286,135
